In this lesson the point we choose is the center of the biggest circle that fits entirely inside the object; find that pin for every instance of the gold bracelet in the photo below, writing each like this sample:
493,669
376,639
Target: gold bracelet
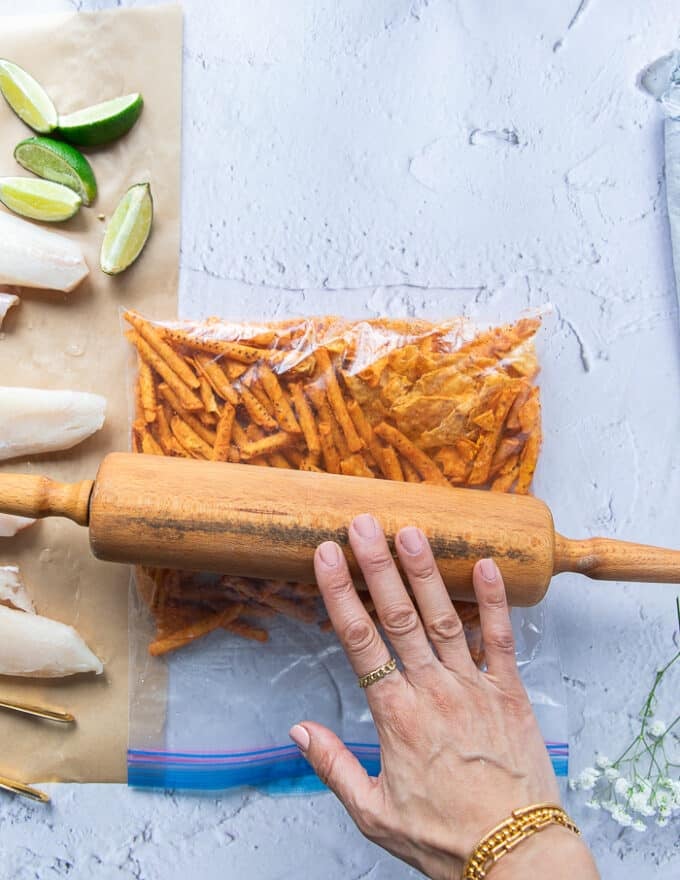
505,837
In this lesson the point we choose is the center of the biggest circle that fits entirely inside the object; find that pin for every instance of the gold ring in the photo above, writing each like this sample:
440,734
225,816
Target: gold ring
371,677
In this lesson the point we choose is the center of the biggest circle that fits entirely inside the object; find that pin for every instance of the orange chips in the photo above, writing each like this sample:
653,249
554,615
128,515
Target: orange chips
399,400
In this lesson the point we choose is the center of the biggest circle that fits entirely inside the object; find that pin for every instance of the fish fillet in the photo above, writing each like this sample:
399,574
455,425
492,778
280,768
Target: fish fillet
10,525
37,647
7,300
33,421
13,593
31,256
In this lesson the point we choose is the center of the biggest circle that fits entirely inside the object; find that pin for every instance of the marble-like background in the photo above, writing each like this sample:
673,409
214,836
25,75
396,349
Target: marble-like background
429,157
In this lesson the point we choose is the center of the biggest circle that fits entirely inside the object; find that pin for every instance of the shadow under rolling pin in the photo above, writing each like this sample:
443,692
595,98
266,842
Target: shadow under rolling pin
267,522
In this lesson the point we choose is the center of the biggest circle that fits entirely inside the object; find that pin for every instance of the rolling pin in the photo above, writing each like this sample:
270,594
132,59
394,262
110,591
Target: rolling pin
267,522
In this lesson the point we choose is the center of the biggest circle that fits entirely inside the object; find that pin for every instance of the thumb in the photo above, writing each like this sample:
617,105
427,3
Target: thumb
334,764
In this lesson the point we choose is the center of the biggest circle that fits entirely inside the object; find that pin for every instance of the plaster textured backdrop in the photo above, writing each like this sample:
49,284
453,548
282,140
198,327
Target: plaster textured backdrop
429,157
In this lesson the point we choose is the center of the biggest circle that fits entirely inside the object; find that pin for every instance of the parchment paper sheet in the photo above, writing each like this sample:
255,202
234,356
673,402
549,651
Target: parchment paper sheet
74,341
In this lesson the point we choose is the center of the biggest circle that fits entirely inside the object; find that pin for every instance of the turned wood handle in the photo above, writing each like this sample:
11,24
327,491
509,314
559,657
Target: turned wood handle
25,495
605,559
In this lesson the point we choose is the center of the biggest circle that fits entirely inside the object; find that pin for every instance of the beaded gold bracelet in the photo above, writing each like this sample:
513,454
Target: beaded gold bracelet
505,837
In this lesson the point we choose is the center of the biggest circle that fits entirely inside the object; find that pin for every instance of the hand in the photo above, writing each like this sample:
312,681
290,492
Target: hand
460,748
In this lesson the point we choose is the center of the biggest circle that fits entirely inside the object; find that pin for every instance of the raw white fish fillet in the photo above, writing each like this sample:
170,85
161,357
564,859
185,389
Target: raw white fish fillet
31,256
37,647
13,593
10,525
33,420
7,300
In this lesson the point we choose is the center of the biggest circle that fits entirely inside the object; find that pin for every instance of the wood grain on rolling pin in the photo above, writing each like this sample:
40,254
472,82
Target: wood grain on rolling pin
266,522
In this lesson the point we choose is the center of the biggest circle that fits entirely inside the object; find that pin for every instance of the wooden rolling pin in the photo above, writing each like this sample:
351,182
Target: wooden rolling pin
267,522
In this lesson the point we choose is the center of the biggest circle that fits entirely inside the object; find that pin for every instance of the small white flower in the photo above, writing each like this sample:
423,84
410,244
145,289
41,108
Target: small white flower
593,804
657,729
587,779
602,762
612,774
622,817
662,821
573,785
608,806
622,787
638,826
664,801
639,803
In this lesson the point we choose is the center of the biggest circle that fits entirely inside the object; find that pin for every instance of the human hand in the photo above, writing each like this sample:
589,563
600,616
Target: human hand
460,748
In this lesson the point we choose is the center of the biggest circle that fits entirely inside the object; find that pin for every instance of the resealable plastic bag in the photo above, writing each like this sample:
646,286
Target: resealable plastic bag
222,666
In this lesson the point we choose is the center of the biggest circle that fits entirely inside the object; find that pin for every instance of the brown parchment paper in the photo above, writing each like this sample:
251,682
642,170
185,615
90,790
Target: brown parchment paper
73,341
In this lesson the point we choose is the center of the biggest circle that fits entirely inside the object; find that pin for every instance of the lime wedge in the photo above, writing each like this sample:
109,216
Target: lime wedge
59,162
27,98
128,230
39,199
101,123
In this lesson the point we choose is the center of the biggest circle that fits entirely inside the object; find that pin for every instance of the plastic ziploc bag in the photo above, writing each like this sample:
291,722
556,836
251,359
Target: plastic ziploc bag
222,666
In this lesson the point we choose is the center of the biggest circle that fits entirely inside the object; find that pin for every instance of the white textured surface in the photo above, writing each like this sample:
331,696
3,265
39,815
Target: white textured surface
435,157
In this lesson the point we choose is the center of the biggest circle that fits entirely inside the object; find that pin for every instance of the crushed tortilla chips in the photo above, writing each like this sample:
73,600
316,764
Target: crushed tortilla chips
398,400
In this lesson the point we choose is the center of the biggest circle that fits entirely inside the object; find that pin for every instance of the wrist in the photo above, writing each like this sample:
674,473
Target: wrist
553,853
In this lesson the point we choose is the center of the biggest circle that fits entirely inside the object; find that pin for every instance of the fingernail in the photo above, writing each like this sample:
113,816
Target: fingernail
300,737
329,553
411,539
489,569
365,525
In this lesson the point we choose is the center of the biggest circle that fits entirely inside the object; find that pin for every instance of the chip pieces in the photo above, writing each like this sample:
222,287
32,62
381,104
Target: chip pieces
399,400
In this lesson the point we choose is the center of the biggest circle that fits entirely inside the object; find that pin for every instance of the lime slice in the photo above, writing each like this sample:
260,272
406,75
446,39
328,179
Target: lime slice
39,199
102,123
27,98
128,230
59,162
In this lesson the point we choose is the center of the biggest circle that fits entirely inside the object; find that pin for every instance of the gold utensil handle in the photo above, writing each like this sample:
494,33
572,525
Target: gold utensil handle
27,495
26,791
39,712
605,559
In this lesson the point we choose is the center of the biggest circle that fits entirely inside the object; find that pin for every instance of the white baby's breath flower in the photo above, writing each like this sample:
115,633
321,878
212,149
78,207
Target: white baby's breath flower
657,729
639,803
643,784
622,817
622,787
587,778
664,802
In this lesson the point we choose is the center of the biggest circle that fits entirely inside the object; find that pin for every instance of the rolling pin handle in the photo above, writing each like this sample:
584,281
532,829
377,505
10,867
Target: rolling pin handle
27,495
605,559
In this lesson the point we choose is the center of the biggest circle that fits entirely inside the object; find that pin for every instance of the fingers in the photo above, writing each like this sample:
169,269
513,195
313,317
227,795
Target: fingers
334,764
499,642
396,611
442,623
358,634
